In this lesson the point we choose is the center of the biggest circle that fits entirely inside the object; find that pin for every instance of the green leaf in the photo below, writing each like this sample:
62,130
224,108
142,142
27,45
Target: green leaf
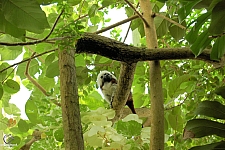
59,135
42,47
218,48
49,59
176,122
218,19
10,53
221,91
33,69
104,60
201,43
74,2
53,70
106,3
202,127
174,85
193,34
23,126
186,9
129,11
213,146
12,109
1,91
25,15
92,11
3,124
8,28
127,128
31,111
95,19
16,140
161,26
79,60
11,86
176,32
211,109
4,73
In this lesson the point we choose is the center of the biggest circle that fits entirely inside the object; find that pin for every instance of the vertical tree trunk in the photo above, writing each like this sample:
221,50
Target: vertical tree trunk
156,92
73,136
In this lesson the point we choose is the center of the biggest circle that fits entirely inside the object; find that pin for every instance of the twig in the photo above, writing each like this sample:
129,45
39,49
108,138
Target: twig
8,75
47,41
80,17
37,41
117,24
216,36
81,8
170,20
26,73
129,28
36,136
131,6
179,103
27,59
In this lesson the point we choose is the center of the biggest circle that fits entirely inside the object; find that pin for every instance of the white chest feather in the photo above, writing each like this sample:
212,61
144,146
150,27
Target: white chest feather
108,91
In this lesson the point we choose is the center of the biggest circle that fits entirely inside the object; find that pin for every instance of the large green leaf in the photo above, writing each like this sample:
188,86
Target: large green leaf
193,34
161,26
53,70
213,146
186,9
31,111
33,68
127,128
174,85
221,91
12,109
58,134
218,49
4,73
201,127
23,126
176,32
25,15
218,19
11,86
8,28
92,11
211,109
201,43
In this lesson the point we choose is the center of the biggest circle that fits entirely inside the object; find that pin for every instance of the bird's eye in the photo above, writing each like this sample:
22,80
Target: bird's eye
101,77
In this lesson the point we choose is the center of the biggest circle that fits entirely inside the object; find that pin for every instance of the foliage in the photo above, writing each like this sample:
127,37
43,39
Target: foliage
197,128
185,82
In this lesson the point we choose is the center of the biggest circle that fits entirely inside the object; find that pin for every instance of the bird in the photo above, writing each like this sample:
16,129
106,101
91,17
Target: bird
107,83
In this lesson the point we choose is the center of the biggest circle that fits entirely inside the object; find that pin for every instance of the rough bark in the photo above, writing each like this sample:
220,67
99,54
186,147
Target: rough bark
123,90
156,91
73,136
96,44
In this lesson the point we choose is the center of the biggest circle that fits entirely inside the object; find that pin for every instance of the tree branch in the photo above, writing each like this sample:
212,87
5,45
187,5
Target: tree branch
134,9
170,20
117,24
26,73
123,89
96,44
36,41
28,59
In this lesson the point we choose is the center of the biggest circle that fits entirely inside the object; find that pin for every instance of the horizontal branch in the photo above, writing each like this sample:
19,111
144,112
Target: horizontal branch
96,44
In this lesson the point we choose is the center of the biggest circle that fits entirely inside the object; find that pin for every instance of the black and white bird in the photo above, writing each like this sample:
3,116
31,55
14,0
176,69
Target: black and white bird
107,83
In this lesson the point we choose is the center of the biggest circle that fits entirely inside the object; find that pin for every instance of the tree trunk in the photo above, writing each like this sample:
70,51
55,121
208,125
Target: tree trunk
73,136
157,109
